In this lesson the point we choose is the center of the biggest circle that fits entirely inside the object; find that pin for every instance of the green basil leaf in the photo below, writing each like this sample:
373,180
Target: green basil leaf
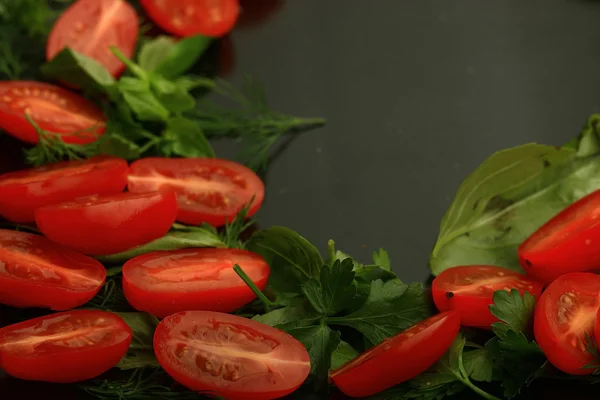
173,97
141,350
80,70
118,146
182,56
154,52
186,138
138,96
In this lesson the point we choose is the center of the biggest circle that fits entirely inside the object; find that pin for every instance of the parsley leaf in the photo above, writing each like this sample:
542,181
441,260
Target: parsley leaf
514,310
382,259
289,317
331,293
479,365
342,354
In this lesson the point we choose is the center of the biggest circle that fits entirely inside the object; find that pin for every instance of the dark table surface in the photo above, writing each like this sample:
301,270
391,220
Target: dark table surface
416,93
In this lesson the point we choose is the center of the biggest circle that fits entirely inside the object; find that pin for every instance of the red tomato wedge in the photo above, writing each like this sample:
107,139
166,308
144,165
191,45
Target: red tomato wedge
193,17
379,368
64,347
21,192
166,282
470,290
91,27
208,189
230,356
569,242
52,108
102,225
35,272
564,314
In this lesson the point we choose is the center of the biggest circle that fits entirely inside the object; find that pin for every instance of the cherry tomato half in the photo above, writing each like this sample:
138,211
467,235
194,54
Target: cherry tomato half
64,347
379,368
52,108
208,189
470,290
230,356
35,272
21,192
192,17
91,27
101,225
564,314
166,282
569,242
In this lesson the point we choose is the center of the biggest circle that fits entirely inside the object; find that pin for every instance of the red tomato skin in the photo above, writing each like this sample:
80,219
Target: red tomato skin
19,97
576,251
474,307
146,175
87,14
35,250
162,303
127,220
384,370
233,391
21,193
560,354
67,365
229,11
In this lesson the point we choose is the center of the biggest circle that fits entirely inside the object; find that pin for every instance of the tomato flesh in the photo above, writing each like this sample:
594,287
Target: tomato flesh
208,189
379,368
91,27
569,242
22,192
194,17
564,314
52,108
109,224
64,347
230,356
166,282
470,290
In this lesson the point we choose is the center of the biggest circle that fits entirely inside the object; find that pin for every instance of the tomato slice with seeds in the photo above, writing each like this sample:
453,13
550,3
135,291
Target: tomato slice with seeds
21,192
101,225
165,282
569,242
564,314
193,17
64,347
91,27
230,356
379,368
209,190
52,108
35,272
470,290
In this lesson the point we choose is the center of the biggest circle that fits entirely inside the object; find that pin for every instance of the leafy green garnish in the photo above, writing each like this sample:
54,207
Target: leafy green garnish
141,349
333,290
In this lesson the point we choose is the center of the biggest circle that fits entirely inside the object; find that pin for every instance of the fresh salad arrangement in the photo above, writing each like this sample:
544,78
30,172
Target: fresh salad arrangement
131,266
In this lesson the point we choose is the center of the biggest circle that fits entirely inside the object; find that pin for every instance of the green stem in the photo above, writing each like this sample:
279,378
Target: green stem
331,250
133,67
464,378
238,270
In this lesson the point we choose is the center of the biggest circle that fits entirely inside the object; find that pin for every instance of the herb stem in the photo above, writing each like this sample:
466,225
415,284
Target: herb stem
464,378
238,270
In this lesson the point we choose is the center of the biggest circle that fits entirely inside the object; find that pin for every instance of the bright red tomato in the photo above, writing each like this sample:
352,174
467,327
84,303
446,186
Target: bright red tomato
569,242
166,282
564,314
35,272
64,347
230,356
101,225
23,191
52,108
470,290
91,27
208,189
379,368
194,17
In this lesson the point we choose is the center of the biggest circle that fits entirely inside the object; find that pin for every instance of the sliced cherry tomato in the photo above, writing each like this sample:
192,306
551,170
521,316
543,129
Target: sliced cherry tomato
569,242
35,272
564,314
101,225
166,282
379,368
52,108
230,356
470,290
91,27
208,189
64,347
194,17
23,191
